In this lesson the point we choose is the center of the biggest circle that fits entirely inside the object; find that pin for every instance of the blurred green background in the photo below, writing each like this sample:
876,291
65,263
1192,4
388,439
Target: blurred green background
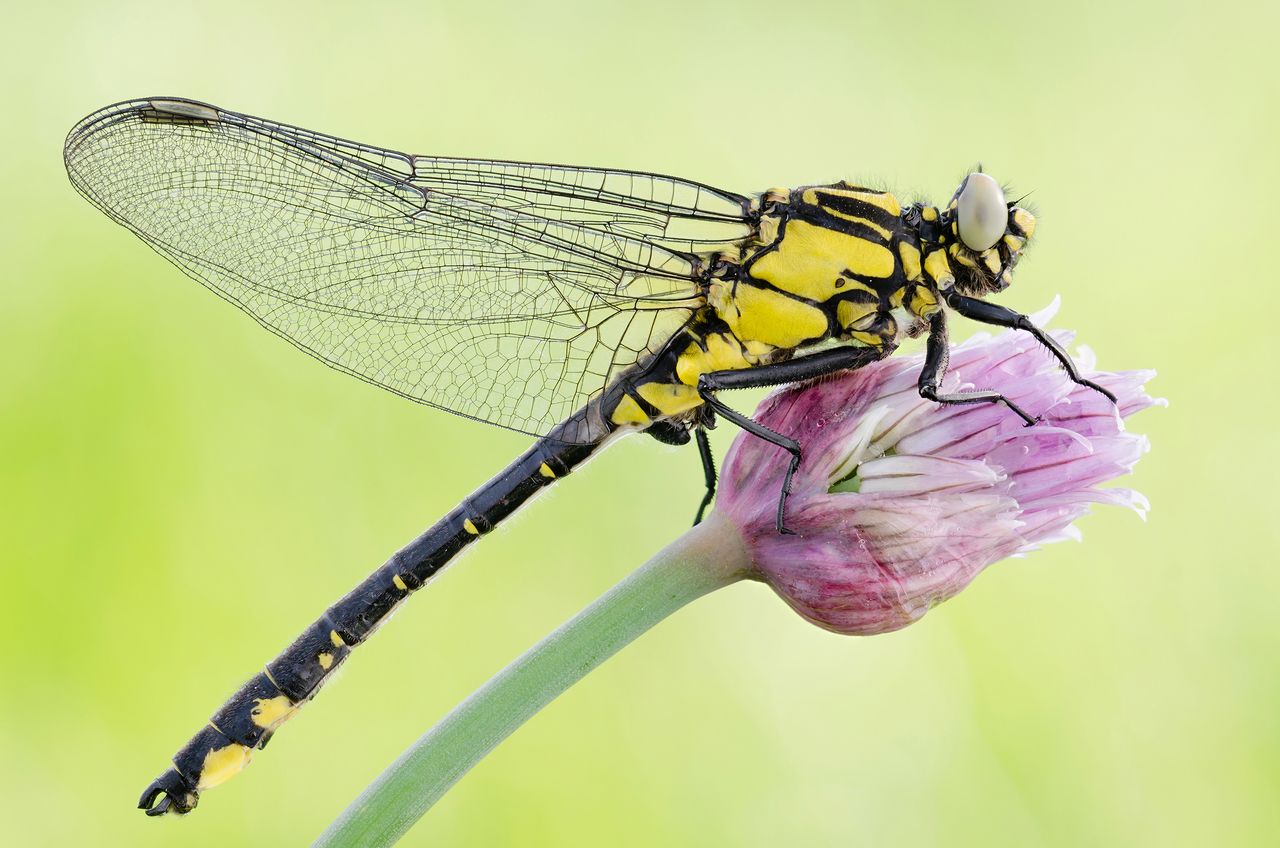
182,492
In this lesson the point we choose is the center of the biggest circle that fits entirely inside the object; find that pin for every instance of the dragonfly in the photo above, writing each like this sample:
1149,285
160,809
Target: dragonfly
572,304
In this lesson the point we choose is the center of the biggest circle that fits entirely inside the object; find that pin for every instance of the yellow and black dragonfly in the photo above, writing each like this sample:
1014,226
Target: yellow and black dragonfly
572,304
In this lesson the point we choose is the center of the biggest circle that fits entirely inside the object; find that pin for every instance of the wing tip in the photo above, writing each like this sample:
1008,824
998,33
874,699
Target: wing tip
160,109
184,108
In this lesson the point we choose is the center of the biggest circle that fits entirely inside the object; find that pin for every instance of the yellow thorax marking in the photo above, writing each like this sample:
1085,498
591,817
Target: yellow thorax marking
937,266
924,303
856,316
810,260
888,330
910,255
764,315
879,199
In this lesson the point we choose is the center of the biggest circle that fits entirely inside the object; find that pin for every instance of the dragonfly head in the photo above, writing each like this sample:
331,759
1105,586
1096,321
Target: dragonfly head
984,235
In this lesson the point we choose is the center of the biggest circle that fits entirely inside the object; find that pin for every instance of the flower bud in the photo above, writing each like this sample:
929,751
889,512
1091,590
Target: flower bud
900,502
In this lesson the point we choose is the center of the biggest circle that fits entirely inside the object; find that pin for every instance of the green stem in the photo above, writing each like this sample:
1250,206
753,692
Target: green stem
708,557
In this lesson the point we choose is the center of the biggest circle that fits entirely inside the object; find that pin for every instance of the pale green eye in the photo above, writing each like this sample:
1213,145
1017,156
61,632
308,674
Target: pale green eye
981,213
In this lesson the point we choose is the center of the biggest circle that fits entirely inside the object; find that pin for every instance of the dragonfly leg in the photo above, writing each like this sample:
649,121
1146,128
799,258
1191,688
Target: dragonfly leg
936,358
708,471
791,371
1000,316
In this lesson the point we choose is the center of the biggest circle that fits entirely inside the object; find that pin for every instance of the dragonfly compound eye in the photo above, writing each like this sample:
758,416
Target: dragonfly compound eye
981,212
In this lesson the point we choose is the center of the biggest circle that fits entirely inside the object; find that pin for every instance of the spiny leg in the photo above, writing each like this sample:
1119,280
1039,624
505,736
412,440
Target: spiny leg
936,357
795,370
760,431
1000,316
708,471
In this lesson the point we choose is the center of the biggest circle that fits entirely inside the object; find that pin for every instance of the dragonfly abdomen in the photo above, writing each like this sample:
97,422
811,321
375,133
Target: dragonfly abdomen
250,716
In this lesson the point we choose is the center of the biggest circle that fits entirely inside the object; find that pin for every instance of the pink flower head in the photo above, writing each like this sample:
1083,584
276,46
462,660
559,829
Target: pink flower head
899,502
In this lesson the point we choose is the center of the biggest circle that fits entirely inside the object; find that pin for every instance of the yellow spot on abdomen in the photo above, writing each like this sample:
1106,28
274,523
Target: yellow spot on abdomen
470,527
628,412
222,764
723,353
336,639
545,471
325,660
399,583
670,398
270,712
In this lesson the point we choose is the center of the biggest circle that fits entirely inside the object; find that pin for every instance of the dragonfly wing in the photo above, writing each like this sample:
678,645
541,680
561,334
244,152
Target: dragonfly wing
507,292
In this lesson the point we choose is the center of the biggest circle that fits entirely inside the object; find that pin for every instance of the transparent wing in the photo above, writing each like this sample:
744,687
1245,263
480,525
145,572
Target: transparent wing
503,291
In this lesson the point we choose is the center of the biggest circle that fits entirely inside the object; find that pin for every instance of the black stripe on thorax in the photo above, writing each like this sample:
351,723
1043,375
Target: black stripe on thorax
857,207
822,217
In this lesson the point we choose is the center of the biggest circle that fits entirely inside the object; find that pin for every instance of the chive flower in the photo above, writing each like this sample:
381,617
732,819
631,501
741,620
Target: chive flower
897,505
900,502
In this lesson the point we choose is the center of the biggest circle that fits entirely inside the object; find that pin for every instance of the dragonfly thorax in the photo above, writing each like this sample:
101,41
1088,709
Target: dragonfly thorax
835,263
827,262
824,263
